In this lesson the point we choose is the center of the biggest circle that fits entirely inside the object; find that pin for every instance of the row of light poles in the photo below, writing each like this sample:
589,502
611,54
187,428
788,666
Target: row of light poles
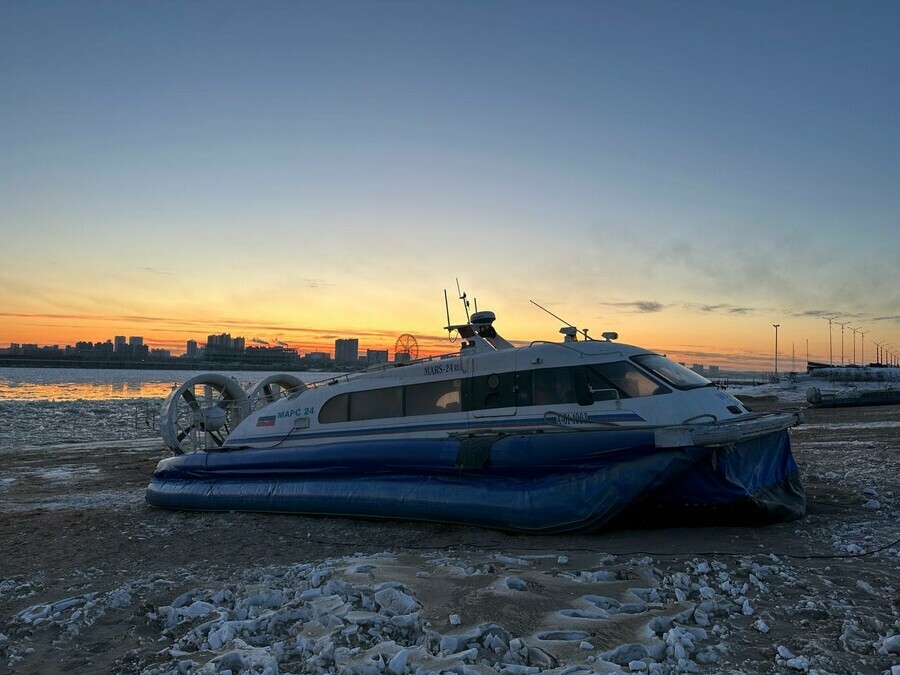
883,350
883,355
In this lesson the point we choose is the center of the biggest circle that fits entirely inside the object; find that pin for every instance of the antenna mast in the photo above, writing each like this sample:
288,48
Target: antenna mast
580,330
462,296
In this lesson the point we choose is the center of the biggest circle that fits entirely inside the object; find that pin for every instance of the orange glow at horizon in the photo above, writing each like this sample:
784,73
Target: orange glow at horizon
737,343
62,330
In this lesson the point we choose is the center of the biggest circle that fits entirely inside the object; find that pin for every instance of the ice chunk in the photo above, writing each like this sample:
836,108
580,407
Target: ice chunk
516,584
701,617
195,609
397,665
784,652
798,663
455,620
118,598
507,560
865,586
393,601
891,644
220,637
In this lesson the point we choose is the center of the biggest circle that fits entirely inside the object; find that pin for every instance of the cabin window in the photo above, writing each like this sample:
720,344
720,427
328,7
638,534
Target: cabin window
334,410
553,385
598,387
627,379
673,373
432,398
376,404
496,390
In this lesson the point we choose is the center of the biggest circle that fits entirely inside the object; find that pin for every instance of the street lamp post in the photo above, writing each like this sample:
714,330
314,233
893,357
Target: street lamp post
854,343
842,339
775,326
829,319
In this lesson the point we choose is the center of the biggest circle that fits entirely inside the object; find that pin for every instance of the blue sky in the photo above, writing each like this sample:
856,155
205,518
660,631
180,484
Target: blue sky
688,173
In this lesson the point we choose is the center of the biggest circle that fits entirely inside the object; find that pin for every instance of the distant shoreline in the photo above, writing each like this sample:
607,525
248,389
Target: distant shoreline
15,362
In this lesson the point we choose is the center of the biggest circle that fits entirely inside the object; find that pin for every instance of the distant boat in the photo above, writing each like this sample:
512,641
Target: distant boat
852,398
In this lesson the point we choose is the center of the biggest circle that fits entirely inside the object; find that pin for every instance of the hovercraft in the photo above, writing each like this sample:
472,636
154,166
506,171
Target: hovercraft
544,438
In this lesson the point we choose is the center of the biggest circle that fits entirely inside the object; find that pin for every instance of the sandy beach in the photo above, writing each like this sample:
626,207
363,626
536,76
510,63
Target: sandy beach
92,580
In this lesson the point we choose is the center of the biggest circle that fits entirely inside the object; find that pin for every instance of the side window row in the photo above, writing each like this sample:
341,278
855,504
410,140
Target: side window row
428,398
547,386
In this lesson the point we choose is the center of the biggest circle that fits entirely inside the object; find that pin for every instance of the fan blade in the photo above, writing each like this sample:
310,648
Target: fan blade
191,399
184,433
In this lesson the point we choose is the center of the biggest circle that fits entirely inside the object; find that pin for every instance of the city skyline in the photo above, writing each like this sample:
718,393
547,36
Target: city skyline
688,174
849,347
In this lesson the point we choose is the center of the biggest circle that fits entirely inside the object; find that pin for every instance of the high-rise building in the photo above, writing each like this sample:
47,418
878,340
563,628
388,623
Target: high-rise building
119,342
193,350
135,341
346,350
220,340
223,347
376,356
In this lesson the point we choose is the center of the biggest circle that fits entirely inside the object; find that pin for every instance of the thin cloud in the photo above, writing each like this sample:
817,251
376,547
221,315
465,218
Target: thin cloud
153,270
316,283
724,309
814,312
642,306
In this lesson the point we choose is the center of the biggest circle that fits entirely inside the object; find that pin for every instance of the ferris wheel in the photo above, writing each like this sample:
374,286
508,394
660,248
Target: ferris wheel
407,346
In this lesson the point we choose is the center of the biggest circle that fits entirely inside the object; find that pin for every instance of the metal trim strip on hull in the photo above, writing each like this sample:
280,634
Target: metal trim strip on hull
488,423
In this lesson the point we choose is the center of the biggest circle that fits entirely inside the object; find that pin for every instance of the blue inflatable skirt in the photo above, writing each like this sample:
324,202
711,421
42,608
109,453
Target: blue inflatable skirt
534,483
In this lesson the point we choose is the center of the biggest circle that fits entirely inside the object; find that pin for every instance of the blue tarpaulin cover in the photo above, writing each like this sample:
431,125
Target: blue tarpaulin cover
537,483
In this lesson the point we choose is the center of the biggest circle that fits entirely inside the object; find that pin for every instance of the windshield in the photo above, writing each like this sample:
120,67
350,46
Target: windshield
673,373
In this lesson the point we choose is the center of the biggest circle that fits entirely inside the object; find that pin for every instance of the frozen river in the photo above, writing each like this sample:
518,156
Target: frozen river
46,406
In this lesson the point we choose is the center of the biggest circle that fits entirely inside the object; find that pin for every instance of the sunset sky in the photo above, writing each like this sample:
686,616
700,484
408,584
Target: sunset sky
685,173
